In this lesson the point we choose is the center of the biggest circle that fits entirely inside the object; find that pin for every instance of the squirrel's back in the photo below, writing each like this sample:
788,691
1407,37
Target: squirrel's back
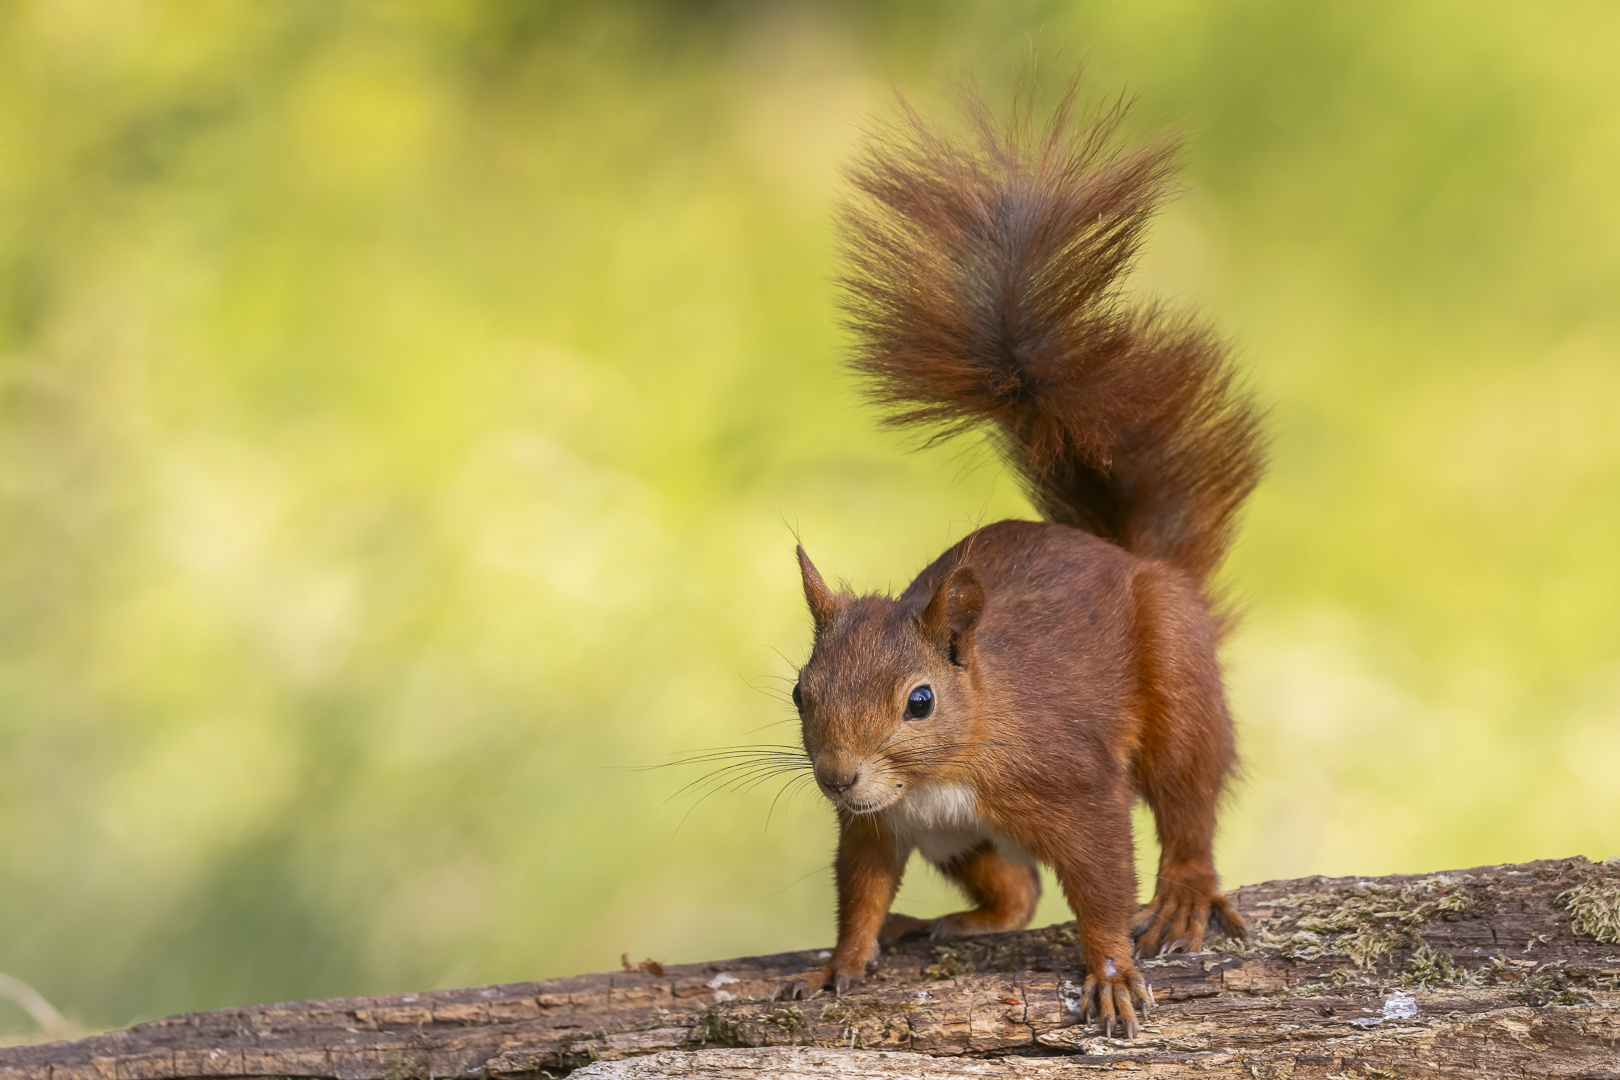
984,284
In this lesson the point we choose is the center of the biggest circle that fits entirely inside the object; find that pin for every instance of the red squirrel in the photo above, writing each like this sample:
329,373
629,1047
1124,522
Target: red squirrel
1006,709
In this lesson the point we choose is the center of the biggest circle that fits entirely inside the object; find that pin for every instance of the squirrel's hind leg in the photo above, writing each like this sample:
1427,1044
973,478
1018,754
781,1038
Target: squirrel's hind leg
1004,892
898,927
1187,905
1182,763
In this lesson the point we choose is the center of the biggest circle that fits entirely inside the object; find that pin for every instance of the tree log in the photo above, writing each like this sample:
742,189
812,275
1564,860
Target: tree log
1502,970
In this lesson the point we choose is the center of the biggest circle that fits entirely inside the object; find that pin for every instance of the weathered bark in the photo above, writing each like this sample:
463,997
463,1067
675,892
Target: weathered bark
1508,970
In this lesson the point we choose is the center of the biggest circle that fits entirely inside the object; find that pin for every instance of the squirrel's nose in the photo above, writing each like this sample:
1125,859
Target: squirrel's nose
838,785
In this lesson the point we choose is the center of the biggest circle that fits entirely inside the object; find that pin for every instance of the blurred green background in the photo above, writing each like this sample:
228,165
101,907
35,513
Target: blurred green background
403,407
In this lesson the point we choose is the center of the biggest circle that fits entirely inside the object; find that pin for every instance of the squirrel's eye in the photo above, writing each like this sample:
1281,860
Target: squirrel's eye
798,698
920,703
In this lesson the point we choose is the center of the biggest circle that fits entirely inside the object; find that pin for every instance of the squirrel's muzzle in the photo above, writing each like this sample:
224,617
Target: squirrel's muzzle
838,781
858,784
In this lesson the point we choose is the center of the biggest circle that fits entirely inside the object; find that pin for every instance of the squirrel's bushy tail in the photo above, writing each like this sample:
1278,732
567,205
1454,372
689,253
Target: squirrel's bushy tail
983,283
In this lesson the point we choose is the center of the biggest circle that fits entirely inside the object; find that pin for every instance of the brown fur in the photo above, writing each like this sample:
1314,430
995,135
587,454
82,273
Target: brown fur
1004,893
1072,662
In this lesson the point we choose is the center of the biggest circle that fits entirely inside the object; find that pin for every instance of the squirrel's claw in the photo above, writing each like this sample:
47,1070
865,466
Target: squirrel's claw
1123,996
1224,919
803,986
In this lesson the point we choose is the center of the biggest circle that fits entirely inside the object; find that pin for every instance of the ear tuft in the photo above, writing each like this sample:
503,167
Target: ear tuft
822,600
951,616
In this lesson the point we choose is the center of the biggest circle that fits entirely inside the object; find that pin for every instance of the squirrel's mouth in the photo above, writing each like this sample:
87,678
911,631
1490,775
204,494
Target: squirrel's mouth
871,804
860,786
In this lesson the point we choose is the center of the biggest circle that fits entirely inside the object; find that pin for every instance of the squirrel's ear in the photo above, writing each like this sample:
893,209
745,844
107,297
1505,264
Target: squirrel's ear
822,600
950,617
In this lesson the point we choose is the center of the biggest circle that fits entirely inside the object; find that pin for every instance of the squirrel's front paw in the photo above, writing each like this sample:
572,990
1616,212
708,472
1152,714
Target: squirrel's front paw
1112,996
808,984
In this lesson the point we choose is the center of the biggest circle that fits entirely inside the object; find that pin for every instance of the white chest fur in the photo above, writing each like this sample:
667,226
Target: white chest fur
942,821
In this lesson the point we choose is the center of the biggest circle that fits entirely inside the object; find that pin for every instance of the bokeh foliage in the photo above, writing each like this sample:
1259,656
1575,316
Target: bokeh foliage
403,407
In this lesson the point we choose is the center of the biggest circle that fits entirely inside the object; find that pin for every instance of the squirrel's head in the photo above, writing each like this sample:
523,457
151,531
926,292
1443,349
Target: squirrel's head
887,698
